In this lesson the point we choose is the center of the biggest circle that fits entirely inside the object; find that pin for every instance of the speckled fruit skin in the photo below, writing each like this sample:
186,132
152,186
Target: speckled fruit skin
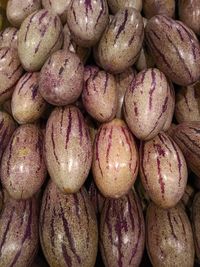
17,10
61,78
23,162
117,5
82,52
7,127
189,13
57,6
87,20
40,35
123,81
169,239
96,198
89,71
27,104
196,223
187,136
158,7
68,228
8,37
188,103
68,148
115,159
179,57
18,233
146,103
121,42
122,231
10,72
163,170
100,96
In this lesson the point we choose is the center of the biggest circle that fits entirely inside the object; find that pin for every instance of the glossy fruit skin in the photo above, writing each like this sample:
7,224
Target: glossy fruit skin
163,170
23,163
68,228
189,13
61,78
27,103
158,7
115,159
8,37
117,5
169,237
179,57
68,148
195,223
187,136
122,231
121,42
19,237
146,103
40,35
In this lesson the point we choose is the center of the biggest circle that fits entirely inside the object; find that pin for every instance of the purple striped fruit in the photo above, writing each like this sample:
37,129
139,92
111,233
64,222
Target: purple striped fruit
8,37
117,5
18,233
196,223
17,10
68,228
188,103
100,96
61,78
10,72
23,170
59,7
39,36
122,231
89,71
7,127
96,198
159,7
27,104
146,104
175,49
68,148
82,52
87,20
123,81
121,42
189,13
169,239
163,170
187,136
115,159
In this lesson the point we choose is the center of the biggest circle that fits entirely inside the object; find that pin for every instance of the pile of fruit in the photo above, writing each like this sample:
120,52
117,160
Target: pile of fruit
99,133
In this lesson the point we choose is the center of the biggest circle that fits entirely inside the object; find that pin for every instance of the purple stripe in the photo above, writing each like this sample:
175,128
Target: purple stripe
25,78
106,83
66,256
101,12
160,180
10,155
122,26
109,145
5,53
153,87
28,26
97,150
171,225
142,144
42,16
53,143
80,126
69,127
87,217
18,67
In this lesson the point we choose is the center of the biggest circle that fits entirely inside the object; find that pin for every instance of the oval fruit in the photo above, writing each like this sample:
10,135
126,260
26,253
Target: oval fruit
87,20
163,170
68,228
179,57
158,7
10,72
122,231
169,238
27,104
61,78
115,159
188,103
146,103
196,223
116,5
23,163
187,136
17,10
100,96
68,148
7,127
121,42
89,71
8,37
39,36
19,233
